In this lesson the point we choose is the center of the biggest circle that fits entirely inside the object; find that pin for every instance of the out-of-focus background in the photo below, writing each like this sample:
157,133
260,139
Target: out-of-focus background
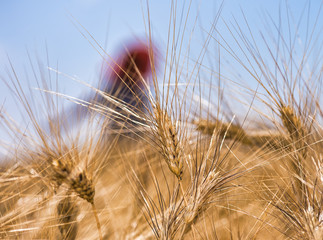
45,31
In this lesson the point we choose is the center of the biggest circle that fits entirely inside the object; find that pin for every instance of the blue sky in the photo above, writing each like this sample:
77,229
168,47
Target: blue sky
35,25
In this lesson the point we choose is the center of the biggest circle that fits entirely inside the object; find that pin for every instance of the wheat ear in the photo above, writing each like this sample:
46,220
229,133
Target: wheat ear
171,147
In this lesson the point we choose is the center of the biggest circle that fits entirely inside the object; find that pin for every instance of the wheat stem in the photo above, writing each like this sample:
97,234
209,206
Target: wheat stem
95,213
183,193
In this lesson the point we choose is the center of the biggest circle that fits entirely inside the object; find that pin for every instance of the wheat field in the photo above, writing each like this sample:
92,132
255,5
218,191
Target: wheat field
174,147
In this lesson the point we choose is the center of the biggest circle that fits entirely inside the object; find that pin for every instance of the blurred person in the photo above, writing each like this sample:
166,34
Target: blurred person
121,92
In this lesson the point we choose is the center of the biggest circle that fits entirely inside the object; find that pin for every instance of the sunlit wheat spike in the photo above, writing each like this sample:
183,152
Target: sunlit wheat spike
297,131
83,186
230,131
62,167
293,124
171,147
199,199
